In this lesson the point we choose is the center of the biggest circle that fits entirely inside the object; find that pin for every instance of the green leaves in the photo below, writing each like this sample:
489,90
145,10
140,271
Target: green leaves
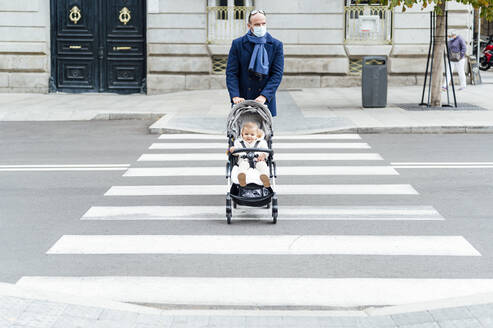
485,5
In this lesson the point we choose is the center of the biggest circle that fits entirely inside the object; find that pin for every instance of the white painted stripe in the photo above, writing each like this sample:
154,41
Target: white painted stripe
228,291
441,163
443,166
64,165
319,189
64,169
264,245
390,213
221,156
282,170
290,145
297,137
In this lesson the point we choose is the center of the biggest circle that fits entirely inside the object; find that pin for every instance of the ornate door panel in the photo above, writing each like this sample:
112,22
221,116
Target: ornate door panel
125,44
98,45
76,44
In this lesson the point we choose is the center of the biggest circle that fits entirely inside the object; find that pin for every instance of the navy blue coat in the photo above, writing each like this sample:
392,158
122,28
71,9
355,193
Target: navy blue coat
242,84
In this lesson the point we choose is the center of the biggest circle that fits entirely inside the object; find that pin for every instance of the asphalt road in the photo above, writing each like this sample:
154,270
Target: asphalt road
37,208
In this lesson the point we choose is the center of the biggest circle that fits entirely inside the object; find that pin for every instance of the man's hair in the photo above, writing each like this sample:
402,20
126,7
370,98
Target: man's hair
255,12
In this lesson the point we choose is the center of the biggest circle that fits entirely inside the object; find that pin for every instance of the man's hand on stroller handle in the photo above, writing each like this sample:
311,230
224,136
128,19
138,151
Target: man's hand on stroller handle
237,100
260,99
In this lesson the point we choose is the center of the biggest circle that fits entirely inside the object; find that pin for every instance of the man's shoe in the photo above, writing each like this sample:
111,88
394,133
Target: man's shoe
242,179
265,180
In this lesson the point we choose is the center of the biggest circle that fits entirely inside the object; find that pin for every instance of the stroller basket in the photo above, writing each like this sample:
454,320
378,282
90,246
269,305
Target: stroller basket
251,195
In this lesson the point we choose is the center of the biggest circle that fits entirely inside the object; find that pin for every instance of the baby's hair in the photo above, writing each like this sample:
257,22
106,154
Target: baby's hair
253,125
249,125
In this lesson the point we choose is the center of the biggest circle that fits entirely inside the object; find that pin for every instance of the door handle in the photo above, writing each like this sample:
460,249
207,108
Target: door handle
121,48
75,47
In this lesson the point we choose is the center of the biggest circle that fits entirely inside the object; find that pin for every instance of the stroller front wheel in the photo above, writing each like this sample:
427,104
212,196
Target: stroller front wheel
274,209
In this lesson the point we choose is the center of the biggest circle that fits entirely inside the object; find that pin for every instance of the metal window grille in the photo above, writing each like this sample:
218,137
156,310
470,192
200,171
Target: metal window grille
355,66
368,24
226,23
219,64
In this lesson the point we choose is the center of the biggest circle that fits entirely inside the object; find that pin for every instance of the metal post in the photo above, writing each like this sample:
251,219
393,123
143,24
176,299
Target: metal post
427,61
446,79
448,59
433,23
478,45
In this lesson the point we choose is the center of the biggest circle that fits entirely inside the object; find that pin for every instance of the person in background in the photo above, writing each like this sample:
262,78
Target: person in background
457,51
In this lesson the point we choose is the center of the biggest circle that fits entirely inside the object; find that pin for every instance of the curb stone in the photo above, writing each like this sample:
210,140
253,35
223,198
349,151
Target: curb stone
360,130
128,116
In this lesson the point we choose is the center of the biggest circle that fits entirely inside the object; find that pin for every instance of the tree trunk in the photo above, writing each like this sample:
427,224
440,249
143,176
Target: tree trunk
438,51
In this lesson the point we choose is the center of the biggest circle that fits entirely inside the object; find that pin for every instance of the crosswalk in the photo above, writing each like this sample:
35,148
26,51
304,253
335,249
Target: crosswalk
180,181
296,213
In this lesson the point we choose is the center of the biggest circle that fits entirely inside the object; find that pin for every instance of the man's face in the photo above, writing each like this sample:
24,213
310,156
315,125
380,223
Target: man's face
257,20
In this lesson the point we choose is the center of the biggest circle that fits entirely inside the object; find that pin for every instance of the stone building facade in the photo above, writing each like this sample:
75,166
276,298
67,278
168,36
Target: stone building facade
186,42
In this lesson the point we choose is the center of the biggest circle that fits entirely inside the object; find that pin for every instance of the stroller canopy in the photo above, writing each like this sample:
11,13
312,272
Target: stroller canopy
249,111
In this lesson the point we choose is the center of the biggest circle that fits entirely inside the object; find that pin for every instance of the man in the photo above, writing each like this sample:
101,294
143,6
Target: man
255,64
457,49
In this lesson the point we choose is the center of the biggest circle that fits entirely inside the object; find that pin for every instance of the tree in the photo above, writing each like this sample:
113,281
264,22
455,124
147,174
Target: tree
439,48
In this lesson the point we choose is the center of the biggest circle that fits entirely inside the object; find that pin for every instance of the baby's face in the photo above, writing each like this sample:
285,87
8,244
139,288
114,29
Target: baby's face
249,135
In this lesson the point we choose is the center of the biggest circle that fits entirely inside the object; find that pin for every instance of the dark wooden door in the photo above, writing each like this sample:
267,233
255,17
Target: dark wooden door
98,45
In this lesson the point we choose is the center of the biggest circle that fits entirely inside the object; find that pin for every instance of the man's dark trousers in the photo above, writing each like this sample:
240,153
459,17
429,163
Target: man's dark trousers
244,84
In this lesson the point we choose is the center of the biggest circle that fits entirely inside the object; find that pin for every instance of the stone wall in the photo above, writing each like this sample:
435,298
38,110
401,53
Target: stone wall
179,56
24,46
177,46
313,35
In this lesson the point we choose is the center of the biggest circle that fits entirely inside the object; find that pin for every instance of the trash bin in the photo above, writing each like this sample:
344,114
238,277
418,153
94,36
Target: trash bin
374,81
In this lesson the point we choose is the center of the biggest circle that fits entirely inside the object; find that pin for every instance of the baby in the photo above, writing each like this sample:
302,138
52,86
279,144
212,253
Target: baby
251,138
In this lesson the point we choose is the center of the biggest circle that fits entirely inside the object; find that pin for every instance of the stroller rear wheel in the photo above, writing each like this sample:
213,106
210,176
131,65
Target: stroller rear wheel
274,209
229,212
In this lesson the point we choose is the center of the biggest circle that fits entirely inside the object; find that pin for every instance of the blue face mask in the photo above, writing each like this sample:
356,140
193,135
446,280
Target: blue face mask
259,31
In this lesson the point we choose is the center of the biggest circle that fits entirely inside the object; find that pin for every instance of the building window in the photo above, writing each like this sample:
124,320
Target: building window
367,22
227,19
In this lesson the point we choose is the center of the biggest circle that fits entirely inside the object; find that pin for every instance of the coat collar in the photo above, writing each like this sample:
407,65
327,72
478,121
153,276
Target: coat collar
267,36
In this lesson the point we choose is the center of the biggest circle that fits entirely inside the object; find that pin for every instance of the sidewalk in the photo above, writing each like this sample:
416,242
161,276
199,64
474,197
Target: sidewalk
34,309
300,111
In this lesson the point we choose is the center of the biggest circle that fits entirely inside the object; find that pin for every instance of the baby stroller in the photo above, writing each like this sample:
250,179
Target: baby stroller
253,194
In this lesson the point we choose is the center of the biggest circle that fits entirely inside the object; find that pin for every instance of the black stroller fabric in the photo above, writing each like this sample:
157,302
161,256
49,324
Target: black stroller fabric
251,195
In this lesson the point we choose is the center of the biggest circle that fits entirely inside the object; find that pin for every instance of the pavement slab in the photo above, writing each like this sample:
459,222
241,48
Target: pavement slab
35,309
301,111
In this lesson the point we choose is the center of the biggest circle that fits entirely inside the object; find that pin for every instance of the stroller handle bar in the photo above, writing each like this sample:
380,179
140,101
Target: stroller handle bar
248,150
